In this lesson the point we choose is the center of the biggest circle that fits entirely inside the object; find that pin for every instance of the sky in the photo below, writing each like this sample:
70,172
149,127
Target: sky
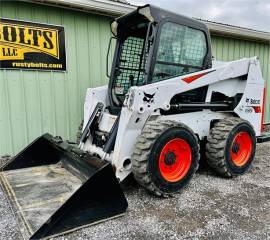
253,14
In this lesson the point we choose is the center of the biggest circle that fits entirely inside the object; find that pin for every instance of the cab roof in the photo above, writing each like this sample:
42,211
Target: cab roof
156,15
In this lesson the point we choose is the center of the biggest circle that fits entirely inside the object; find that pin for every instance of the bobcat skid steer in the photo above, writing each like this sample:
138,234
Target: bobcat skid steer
166,97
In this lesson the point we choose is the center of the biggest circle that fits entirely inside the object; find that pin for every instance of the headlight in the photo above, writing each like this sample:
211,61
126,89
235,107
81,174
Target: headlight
129,100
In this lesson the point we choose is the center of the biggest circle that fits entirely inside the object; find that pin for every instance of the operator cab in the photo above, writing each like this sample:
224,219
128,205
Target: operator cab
154,45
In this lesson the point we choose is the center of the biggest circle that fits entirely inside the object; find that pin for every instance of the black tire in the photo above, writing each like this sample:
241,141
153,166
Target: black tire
4,160
220,144
79,133
150,144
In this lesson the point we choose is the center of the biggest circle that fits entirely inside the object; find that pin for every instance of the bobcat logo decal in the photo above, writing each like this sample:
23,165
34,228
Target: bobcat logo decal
149,98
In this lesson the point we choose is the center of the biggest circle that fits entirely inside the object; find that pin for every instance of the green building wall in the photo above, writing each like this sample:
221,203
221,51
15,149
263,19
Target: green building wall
35,102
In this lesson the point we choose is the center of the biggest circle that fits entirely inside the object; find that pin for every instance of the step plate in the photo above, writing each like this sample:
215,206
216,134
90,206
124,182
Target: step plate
263,138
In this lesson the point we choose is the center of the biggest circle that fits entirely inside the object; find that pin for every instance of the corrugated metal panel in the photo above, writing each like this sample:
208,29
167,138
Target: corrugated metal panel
35,102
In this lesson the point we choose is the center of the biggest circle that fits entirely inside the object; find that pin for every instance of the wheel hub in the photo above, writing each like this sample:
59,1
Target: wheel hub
235,147
170,158
241,149
175,160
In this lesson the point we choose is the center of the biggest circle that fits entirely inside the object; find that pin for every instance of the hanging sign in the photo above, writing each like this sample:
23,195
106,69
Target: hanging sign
27,45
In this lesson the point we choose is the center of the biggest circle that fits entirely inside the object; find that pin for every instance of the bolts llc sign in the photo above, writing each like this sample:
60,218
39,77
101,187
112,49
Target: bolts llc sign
28,45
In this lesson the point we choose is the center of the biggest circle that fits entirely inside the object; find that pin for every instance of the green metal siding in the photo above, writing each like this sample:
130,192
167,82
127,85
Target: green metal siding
35,102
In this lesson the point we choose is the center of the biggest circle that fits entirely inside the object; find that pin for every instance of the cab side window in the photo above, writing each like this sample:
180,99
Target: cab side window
181,51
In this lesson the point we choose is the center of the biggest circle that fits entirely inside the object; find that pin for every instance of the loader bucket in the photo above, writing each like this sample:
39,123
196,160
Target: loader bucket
55,188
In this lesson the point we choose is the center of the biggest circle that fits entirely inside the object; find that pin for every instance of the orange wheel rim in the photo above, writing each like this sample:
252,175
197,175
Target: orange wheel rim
175,160
241,149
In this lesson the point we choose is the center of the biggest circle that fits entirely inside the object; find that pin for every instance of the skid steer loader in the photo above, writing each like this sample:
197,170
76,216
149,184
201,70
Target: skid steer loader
166,97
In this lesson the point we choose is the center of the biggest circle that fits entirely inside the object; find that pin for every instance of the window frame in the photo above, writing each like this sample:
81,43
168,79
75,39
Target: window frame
156,45
121,38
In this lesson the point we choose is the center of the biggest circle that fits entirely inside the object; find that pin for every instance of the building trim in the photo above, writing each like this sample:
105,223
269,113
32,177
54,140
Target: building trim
116,8
237,32
104,7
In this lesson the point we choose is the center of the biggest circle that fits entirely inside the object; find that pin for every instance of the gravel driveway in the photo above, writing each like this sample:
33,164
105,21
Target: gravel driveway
209,208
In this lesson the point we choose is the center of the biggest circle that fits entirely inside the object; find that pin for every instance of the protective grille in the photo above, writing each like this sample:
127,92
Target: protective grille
130,70
180,48
180,44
